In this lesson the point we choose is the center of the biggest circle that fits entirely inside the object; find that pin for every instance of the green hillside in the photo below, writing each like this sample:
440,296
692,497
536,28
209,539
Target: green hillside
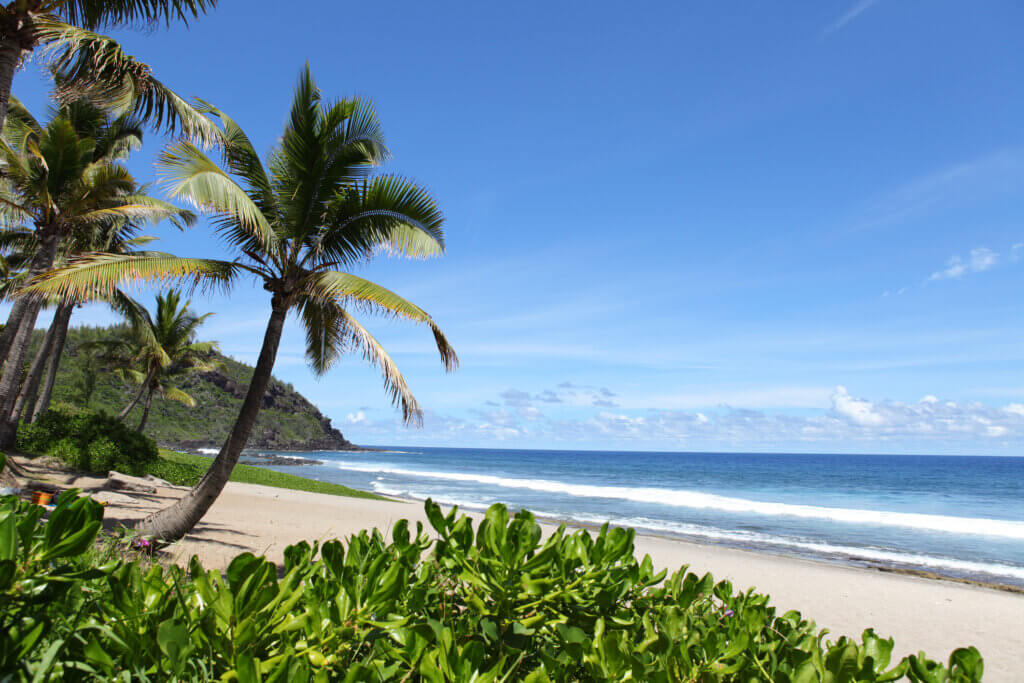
287,420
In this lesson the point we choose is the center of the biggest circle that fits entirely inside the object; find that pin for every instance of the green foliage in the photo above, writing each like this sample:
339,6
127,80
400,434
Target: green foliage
495,603
46,577
287,419
90,442
185,469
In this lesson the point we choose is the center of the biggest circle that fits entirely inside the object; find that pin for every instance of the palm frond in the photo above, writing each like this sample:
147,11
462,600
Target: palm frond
96,276
19,114
140,209
95,66
96,13
192,176
140,241
179,396
132,375
332,331
345,288
387,213
243,161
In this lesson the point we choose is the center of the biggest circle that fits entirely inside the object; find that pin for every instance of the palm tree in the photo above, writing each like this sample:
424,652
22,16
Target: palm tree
63,179
119,236
63,32
314,209
155,350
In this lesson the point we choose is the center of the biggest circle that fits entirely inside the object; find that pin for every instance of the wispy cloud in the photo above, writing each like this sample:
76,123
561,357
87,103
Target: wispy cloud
855,11
979,260
965,182
848,422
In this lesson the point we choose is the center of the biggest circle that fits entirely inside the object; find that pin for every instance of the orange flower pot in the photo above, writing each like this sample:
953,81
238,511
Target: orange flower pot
41,498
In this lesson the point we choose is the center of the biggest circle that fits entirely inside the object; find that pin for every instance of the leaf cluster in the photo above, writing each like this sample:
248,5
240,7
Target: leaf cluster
494,603
89,442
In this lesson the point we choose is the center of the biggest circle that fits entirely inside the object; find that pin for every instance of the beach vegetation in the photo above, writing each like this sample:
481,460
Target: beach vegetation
117,235
90,442
297,224
498,602
153,351
287,420
65,178
186,469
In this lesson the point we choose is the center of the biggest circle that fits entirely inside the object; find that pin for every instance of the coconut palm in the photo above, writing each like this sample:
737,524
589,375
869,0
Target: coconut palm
62,179
63,32
155,350
120,236
298,223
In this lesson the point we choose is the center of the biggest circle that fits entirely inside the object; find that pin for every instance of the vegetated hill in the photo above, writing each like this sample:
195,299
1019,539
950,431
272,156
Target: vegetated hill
287,421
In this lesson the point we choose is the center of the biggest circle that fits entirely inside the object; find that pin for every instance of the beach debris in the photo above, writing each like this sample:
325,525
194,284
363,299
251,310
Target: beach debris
157,481
126,482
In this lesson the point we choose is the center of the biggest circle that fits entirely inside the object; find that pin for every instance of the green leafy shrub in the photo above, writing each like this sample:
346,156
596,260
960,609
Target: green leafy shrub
90,442
492,604
177,473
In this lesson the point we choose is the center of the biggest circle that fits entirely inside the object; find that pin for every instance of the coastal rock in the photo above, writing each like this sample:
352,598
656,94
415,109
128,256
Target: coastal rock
277,460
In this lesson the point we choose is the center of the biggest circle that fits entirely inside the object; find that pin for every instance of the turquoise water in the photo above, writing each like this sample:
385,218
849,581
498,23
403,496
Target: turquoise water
956,516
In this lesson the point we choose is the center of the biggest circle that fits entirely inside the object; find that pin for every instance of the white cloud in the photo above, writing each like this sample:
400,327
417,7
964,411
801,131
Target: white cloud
1015,409
980,260
846,422
355,418
859,411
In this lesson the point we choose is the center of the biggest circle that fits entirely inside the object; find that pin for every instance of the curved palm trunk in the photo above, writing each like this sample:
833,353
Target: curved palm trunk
138,397
30,388
64,317
10,57
145,412
175,521
14,319
14,368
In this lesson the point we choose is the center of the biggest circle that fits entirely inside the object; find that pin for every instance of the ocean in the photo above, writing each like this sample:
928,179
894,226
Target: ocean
959,517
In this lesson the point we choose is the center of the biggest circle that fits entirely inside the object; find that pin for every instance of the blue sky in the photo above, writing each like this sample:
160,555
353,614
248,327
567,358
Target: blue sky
716,226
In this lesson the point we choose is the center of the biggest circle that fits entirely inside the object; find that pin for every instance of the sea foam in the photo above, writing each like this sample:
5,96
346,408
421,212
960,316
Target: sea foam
749,539
971,526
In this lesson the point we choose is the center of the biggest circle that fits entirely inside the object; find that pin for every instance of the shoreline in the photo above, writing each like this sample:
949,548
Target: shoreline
834,561
950,558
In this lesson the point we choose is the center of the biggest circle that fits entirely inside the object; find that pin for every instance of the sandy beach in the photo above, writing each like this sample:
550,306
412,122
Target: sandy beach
921,614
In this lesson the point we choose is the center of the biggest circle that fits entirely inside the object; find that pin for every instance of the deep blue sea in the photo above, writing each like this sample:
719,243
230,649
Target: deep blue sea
956,516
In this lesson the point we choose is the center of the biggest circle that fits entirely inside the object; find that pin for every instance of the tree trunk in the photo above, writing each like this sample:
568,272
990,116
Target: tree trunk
138,397
10,57
175,521
14,319
145,411
14,368
29,390
64,313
